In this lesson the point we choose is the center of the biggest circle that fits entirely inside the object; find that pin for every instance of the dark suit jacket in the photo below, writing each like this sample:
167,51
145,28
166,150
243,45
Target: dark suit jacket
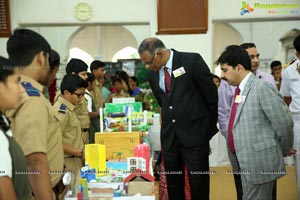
191,109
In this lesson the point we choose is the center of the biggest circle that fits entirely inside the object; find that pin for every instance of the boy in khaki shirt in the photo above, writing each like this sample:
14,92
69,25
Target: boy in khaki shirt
93,112
34,124
72,91
97,68
78,67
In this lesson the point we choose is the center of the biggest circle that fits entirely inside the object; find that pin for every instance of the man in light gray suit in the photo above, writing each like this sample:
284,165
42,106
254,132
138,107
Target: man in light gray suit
260,128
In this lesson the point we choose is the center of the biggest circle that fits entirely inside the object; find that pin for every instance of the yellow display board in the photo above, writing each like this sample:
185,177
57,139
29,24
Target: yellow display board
95,157
119,145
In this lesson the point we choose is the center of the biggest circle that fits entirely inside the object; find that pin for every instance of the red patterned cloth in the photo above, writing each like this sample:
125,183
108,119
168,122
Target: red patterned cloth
163,190
187,188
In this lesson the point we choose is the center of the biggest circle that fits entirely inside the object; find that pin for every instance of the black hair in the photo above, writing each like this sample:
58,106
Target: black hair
116,79
76,65
248,45
24,44
275,63
54,59
297,43
96,64
90,77
6,69
123,76
234,55
72,82
135,79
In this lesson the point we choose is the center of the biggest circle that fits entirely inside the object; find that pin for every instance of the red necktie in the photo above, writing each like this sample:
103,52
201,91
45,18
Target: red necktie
231,120
167,80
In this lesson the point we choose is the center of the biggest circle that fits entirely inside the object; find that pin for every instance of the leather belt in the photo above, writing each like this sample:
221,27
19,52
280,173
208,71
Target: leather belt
69,156
85,129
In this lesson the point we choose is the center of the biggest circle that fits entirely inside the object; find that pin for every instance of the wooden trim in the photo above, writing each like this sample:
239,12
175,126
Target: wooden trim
182,16
5,27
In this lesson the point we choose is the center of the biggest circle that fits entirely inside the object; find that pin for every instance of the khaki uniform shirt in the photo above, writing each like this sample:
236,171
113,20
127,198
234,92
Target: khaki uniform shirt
82,113
36,128
69,122
71,131
97,95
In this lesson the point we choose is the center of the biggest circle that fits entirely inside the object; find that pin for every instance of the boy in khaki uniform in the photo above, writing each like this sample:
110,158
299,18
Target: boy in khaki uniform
34,124
93,112
98,70
83,116
72,91
78,67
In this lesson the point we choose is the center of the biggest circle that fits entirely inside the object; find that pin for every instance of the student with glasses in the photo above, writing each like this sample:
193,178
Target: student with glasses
78,67
72,90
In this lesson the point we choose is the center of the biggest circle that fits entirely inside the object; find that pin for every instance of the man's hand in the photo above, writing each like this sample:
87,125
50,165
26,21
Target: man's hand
292,152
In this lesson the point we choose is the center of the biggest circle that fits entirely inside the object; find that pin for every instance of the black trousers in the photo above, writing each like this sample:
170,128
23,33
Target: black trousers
176,156
239,188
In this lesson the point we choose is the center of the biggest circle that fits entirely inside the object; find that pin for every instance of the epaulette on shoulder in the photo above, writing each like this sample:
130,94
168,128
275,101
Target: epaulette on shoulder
62,108
289,64
292,62
31,91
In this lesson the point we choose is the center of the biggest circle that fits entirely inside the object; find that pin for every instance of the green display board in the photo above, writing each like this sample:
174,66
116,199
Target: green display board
120,109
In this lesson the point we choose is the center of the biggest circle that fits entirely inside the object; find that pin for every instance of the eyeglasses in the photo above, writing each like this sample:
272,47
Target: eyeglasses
151,61
78,95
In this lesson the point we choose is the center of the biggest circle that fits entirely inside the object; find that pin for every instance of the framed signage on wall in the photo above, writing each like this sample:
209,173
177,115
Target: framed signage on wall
182,17
5,28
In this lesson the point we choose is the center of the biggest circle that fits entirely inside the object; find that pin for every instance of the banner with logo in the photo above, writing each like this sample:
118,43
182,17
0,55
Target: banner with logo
246,9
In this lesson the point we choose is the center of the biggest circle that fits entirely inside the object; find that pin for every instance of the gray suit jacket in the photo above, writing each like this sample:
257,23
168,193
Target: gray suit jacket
262,131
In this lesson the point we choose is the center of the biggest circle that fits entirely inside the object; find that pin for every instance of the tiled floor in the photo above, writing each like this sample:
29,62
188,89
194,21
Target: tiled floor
222,185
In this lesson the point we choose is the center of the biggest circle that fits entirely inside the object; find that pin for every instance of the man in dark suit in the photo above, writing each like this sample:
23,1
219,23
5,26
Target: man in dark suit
184,88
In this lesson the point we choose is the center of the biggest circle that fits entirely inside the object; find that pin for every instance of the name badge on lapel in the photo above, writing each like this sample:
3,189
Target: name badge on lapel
178,72
239,99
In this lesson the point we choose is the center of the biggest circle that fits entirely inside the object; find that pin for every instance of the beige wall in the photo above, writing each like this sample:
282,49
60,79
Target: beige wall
55,21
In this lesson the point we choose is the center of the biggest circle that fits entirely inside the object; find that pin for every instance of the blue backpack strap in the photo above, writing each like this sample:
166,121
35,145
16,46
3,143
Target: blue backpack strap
31,91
